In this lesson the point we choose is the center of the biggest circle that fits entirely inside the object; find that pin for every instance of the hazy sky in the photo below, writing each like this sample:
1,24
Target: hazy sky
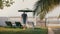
19,4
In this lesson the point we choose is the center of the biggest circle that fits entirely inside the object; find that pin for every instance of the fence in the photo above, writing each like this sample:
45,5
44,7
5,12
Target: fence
53,21
38,23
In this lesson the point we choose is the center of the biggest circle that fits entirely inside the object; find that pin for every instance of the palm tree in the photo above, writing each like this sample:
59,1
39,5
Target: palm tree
4,3
45,6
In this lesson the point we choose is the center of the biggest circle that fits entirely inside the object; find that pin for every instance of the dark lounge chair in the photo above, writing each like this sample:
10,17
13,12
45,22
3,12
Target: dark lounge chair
8,23
18,24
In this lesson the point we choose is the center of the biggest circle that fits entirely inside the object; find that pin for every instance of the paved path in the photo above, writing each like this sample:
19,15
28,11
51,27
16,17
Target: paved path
50,31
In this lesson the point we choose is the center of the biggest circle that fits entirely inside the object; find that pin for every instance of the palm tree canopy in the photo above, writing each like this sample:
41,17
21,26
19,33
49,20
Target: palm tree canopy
46,6
4,3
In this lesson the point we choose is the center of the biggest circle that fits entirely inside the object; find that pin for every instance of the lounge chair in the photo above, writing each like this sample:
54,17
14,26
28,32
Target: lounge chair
18,24
8,23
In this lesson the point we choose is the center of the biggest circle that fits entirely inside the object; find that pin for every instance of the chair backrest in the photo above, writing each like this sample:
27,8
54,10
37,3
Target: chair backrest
18,24
8,23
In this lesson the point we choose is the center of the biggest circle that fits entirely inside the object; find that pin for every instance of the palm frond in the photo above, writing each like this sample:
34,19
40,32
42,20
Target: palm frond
46,6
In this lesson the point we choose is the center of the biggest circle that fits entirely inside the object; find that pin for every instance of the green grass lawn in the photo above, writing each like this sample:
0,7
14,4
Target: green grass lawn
21,31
